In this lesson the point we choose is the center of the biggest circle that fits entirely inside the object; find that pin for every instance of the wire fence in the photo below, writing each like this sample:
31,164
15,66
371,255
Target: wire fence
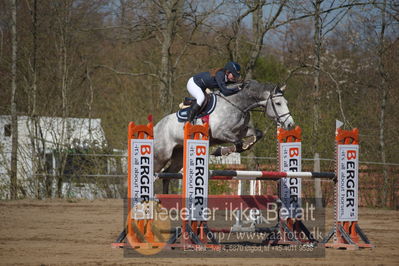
104,176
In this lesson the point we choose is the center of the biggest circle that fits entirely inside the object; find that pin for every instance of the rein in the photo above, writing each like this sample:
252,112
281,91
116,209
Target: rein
263,104
245,111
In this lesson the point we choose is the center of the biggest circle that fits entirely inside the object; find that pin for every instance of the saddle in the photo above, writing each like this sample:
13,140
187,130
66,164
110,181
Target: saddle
207,107
188,101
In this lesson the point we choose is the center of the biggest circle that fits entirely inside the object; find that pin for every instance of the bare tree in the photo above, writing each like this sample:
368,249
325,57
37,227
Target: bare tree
253,39
172,10
317,39
260,27
169,28
14,116
384,85
33,123
63,11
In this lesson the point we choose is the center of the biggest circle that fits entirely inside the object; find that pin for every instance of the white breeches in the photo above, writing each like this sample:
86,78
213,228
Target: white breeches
195,91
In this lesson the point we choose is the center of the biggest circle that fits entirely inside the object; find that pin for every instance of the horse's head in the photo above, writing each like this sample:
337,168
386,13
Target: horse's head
277,108
270,97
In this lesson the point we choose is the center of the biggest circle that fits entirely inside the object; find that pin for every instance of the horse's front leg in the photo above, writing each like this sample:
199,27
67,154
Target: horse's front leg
225,136
251,136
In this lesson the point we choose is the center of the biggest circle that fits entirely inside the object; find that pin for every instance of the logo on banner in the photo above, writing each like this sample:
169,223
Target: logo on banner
348,171
290,188
197,178
142,178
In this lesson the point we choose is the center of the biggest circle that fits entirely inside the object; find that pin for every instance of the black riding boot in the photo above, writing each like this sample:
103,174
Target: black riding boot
192,113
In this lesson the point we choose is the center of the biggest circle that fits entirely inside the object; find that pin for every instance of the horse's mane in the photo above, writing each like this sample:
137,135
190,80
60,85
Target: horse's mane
254,88
255,85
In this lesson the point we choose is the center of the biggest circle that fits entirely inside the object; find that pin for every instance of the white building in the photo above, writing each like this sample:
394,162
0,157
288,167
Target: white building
51,134
47,134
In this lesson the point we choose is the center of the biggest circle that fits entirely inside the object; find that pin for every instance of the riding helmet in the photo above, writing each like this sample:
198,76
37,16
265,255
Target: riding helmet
233,68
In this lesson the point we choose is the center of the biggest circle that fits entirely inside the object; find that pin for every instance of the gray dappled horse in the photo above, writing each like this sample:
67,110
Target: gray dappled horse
229,123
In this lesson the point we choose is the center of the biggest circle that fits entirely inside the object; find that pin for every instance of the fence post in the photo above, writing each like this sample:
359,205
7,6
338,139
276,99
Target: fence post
317,182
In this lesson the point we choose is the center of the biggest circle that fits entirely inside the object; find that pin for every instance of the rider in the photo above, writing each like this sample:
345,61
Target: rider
215,78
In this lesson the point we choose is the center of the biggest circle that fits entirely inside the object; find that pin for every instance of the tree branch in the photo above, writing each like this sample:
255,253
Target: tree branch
126,73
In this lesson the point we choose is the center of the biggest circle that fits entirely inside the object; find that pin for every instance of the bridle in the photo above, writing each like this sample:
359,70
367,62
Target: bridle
277,117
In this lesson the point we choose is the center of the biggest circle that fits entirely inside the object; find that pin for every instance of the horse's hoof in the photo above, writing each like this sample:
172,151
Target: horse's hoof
239,146
258,135
217,152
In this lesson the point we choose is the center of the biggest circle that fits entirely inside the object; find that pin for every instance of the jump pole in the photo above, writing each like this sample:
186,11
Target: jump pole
346,232
252,175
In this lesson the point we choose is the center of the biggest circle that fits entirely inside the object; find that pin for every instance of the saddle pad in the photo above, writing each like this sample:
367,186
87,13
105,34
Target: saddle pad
210,107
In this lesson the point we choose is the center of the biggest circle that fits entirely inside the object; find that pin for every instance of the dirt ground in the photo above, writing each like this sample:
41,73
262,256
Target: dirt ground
81,232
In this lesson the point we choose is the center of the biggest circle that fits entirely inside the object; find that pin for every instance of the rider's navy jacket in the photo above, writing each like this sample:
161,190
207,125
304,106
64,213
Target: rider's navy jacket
205,80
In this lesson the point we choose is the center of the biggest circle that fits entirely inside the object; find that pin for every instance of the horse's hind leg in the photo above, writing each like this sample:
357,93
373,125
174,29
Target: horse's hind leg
176,164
